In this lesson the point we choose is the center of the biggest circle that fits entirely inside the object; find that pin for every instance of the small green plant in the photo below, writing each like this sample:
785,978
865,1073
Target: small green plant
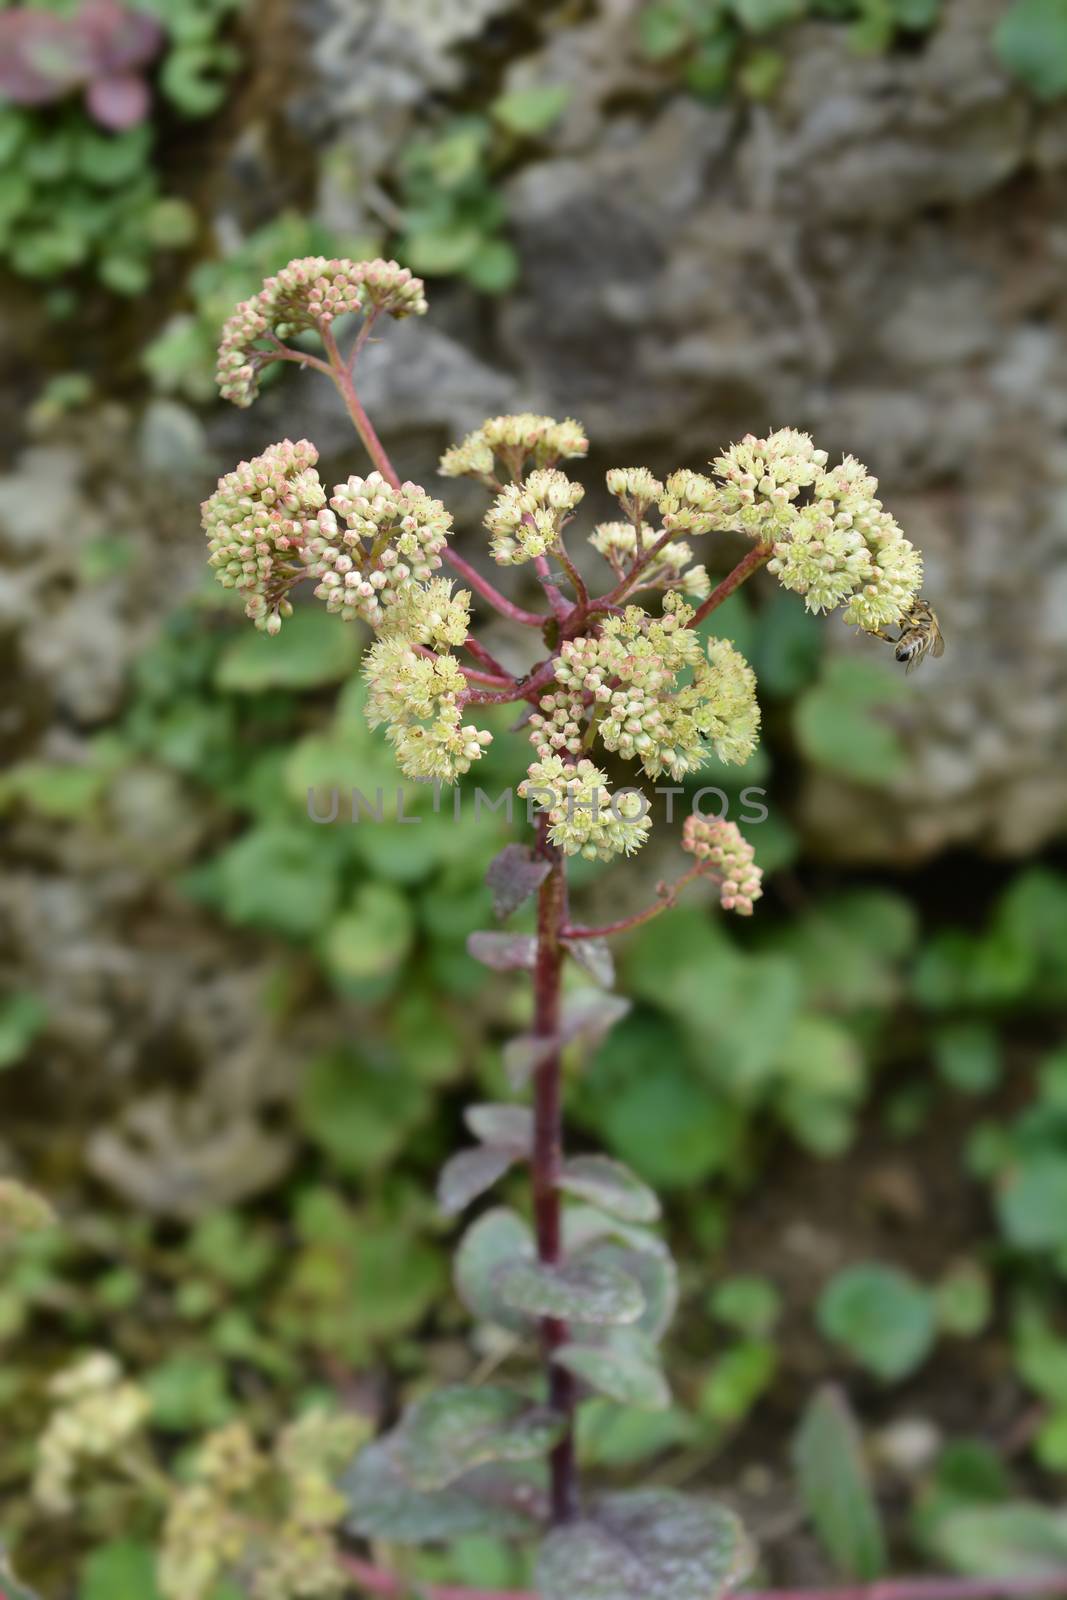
718,45
78,188
588,1279
452,215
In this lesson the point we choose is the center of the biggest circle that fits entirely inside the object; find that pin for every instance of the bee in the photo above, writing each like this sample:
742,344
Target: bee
920,635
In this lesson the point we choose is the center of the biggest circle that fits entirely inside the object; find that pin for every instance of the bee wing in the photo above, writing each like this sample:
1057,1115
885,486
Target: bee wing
937,648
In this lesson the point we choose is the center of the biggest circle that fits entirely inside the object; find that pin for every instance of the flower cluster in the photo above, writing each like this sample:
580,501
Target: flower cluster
309,293
635,489
721,847
514,442
271,1516
419,698
762,479
691,503
21,1211
259,523
585,818
669,568
655,693
99,1412
836,544
203,1537
429,614
844,544
526,519
373,543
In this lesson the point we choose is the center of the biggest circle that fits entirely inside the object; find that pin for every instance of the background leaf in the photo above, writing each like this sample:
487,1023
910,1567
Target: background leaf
836,1488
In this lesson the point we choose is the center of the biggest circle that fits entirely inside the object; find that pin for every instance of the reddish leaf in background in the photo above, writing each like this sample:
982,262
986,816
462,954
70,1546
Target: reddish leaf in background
45,57
119,38
118,102
42,57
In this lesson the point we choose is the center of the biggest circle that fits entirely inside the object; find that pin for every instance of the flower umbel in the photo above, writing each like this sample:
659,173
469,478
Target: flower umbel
98,1413
654,693
669,568
514,442
526,519
373,544
585,817
259,524
309,293
419,697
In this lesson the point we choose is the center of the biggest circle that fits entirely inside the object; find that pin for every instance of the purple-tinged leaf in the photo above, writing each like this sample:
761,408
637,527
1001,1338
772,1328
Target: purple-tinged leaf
504,952
498,1237
514,875
595,956
648,1542
655,1274
454,1430
584,1225
623,1366
43,57
525,1053
503,1126
118,102
470,1173
611,1186
585,1290
588,1017
506,1501
120,37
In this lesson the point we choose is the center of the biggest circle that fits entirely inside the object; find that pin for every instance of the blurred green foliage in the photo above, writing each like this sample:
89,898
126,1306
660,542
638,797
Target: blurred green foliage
719,45
75,197
1031,41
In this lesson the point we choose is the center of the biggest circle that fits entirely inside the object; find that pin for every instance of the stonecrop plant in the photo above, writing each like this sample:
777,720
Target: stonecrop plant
624,673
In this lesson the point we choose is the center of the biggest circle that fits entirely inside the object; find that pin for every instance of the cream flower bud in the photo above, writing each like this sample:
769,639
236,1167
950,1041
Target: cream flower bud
383,542
635,489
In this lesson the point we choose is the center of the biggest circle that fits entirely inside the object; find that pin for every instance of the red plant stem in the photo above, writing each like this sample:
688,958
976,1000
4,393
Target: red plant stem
499,602
472,674
284,352
575,576
528,688
756,558
376,1582
626,583
342,377
548,1157
669,896
560,606
491,664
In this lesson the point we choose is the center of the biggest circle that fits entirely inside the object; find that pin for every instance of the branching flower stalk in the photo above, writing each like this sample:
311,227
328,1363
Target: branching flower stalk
590,1279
